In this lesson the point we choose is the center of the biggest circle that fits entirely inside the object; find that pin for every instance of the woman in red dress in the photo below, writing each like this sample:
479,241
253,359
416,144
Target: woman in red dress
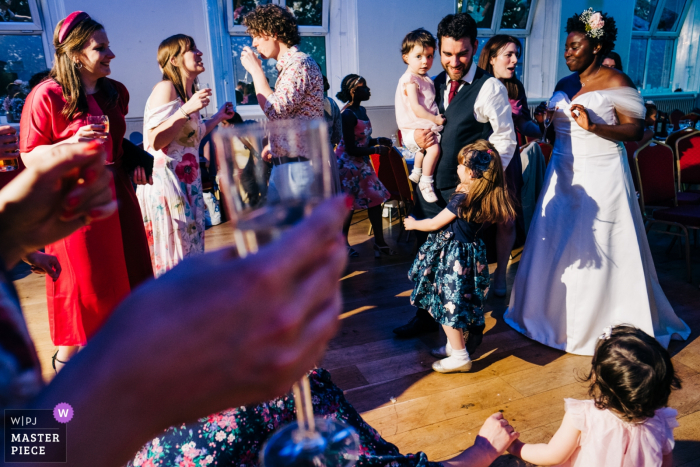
103,261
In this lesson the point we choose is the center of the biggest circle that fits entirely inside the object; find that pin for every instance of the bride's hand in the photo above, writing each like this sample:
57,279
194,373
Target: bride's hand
580,114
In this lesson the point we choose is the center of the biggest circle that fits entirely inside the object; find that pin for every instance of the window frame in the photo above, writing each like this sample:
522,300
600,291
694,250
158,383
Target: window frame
38,27
496,29
654,33
498,16
241,31
25,28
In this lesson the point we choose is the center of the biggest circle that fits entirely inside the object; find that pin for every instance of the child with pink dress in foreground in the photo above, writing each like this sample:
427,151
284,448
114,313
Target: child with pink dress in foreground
416,108
627,424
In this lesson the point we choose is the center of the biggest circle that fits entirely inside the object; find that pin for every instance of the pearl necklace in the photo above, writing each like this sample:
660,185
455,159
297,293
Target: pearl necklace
583,83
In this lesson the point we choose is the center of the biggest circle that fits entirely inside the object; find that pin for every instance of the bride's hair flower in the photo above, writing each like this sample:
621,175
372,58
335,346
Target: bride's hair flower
594,23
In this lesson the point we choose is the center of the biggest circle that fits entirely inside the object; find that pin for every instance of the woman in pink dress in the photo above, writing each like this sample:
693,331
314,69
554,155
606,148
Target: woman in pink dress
357,177
103,261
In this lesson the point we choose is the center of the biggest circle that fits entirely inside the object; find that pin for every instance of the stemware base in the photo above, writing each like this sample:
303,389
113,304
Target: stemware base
333,444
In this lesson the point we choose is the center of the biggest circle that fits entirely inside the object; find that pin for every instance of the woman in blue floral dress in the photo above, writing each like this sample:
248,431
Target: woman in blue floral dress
450,272
236,436
357,177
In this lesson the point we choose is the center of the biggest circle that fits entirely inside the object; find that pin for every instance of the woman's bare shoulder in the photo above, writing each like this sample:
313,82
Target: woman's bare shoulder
162,93
616,79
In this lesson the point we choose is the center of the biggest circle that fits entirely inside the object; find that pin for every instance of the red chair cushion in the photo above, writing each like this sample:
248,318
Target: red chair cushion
686,215
689,153
546,151
656,174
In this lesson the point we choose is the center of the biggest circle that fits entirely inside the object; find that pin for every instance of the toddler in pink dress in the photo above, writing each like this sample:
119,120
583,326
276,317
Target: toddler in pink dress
627,424
416,108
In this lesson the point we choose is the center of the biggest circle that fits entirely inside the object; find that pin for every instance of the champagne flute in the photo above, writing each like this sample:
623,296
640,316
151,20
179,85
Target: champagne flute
549,114
198,88
259,213
100,120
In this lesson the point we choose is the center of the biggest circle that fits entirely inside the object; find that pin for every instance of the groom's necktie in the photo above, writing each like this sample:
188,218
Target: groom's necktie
454,87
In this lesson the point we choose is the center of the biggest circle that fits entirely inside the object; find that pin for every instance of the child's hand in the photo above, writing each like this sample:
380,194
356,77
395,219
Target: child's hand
409,223
439,119
515,447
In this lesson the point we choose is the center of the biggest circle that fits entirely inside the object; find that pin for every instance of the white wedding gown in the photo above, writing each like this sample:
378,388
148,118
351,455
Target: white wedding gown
586,264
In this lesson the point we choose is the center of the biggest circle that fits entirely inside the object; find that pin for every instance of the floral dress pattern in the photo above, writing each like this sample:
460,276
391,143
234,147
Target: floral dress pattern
451,279
357,177
235,437
173,207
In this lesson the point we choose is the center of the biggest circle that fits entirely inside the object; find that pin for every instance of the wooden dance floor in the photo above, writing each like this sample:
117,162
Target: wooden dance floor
390,380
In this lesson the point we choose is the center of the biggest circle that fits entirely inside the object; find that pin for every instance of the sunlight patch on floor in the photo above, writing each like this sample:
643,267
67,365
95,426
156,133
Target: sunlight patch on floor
350,313
352,274
407,293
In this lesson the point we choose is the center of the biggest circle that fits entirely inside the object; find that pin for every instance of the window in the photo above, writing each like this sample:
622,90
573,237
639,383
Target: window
513,17
312,17
655,30
23,53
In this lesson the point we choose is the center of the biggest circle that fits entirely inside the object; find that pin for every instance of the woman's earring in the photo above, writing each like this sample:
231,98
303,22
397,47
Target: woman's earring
78,65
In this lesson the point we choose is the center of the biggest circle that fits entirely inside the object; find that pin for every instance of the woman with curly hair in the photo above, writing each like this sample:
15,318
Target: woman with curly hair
298,90
586,263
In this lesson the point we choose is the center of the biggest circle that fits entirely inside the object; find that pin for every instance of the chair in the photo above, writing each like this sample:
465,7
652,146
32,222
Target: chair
392,172
546,151
688,150
657,185
676,116
681,198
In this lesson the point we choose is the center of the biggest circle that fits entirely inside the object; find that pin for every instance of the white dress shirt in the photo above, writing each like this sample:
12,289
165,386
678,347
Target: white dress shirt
492,105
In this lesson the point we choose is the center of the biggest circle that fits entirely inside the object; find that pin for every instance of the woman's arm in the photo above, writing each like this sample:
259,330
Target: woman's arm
253,65
560,447
85,134
629,129
430,225
121,399
224,113
167,131
419,110
495,436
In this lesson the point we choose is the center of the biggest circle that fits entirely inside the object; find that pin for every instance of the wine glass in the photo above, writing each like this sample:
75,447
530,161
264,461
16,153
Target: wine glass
260,210
99,120
549,114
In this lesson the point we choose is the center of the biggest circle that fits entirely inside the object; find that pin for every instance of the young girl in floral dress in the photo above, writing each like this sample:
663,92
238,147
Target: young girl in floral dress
450,272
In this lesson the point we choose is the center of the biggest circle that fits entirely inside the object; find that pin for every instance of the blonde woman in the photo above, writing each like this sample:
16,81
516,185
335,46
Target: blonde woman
173,207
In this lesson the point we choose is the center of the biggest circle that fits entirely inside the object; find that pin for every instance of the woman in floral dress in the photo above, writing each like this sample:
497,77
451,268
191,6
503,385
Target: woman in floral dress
357,177
173,207
236,436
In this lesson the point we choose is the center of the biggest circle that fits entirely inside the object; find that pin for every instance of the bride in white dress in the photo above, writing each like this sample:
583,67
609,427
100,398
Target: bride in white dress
586,264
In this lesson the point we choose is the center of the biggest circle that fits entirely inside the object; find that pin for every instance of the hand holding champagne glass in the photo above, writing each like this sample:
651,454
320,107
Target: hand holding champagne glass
259,213
9,149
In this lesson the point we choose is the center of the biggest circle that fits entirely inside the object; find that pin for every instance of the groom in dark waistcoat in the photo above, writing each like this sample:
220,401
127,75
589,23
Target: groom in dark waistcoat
475,106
